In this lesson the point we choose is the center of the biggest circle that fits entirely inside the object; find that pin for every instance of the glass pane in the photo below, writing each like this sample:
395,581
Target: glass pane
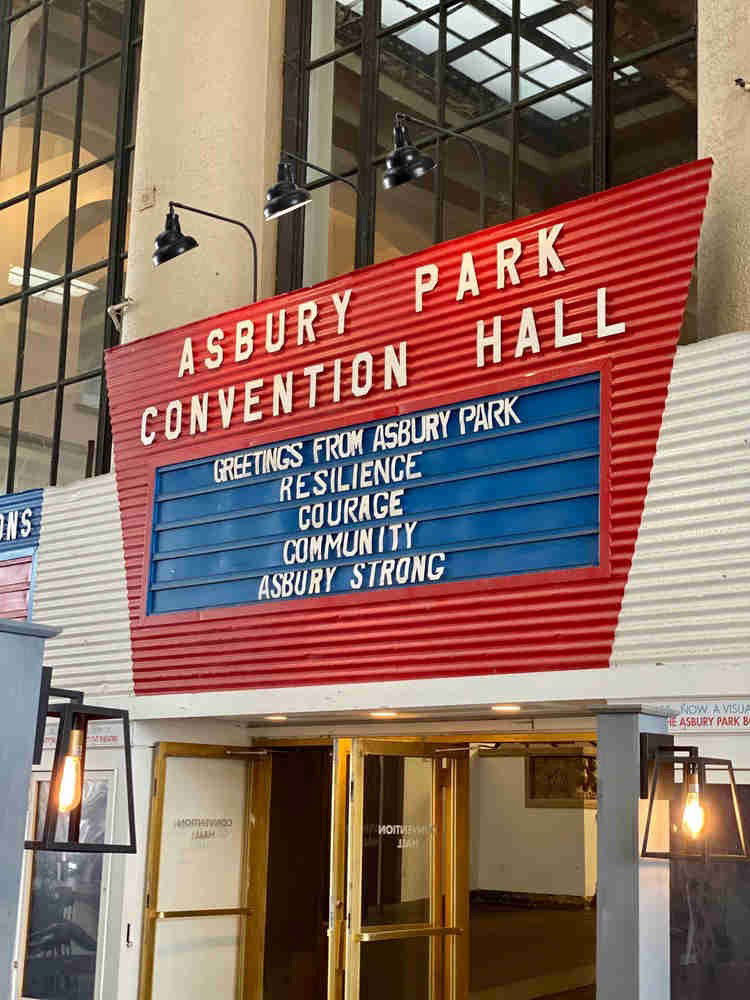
64,907
398,840
394,11
136,91
197,957
333,138
638,25
86,322
80,419
558,50
533,878
330,222
554,152
93,214
406,81
333,129
101,88
42,345
104,28
478,47
50,234
398,970
709,917
202,840
462,180
16,140
654,113
63,56
6,415
23,57
34,451
9,315
403,217
12,247
334,25
56,141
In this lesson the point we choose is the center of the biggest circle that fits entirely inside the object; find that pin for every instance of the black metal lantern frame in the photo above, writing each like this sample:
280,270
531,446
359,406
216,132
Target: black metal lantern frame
694,777
76,715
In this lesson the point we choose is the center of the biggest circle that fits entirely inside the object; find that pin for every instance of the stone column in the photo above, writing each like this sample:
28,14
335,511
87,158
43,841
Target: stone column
632,941
209,127
723,131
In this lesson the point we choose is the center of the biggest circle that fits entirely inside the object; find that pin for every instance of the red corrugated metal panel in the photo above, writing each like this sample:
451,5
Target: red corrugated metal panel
638,240
15,582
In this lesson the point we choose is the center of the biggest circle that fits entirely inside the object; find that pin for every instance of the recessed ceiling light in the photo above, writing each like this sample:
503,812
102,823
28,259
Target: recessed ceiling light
384,714
276,718
506,708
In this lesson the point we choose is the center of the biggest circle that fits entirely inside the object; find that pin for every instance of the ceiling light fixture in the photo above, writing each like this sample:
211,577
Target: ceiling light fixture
384,714
506,708
276,718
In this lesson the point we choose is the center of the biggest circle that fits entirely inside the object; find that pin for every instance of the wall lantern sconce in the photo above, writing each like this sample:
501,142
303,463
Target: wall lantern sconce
64,827
407,163
286,195
172,242
689,818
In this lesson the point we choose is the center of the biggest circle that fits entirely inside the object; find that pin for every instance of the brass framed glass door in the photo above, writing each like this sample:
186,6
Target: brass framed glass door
207,869
407,871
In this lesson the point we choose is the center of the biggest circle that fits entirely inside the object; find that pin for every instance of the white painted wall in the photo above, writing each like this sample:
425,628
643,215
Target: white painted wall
515,849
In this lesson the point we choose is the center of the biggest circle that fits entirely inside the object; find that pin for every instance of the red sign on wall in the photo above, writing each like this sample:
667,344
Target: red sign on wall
433,466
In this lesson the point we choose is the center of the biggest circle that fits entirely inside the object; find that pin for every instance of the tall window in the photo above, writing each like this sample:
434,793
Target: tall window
563,97
68,79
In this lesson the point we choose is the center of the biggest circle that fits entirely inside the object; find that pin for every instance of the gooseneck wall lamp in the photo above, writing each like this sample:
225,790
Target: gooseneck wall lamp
286,195
688,817
172,242
66,826
407,163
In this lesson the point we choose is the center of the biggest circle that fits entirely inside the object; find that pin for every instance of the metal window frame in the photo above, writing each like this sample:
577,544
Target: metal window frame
298,66
99,456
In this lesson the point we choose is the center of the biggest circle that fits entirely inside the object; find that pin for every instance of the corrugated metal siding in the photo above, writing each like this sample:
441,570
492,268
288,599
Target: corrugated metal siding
80,586
687,600
15,581
639,241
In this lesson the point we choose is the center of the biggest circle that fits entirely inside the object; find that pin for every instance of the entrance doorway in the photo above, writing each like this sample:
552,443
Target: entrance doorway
348,870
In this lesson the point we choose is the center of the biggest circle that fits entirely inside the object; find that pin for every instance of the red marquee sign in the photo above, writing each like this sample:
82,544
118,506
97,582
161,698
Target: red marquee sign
430,467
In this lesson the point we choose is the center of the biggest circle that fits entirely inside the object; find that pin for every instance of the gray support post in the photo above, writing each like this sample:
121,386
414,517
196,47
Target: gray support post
21,649
632,946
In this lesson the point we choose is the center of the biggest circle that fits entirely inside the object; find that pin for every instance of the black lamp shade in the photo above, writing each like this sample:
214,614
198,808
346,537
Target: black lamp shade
406,162
285,195
171,242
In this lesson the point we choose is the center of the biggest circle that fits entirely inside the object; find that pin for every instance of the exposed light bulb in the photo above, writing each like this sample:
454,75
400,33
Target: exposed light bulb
71,782
693,815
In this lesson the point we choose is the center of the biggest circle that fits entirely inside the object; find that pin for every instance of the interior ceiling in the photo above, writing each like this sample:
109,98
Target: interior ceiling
481,716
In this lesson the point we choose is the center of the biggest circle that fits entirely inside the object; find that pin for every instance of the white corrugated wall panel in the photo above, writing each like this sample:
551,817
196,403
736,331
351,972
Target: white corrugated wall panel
687,600
80,587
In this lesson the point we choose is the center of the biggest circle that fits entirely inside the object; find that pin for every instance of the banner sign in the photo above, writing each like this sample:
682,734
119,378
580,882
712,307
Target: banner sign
433,466
488,487
710,716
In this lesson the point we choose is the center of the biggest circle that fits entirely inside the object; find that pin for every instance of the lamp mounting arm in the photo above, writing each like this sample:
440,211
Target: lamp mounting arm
403,116
321,170
234,222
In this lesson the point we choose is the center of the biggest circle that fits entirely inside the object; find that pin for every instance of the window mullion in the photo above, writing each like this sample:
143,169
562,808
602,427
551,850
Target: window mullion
600,122
69,248
28,253
365,232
